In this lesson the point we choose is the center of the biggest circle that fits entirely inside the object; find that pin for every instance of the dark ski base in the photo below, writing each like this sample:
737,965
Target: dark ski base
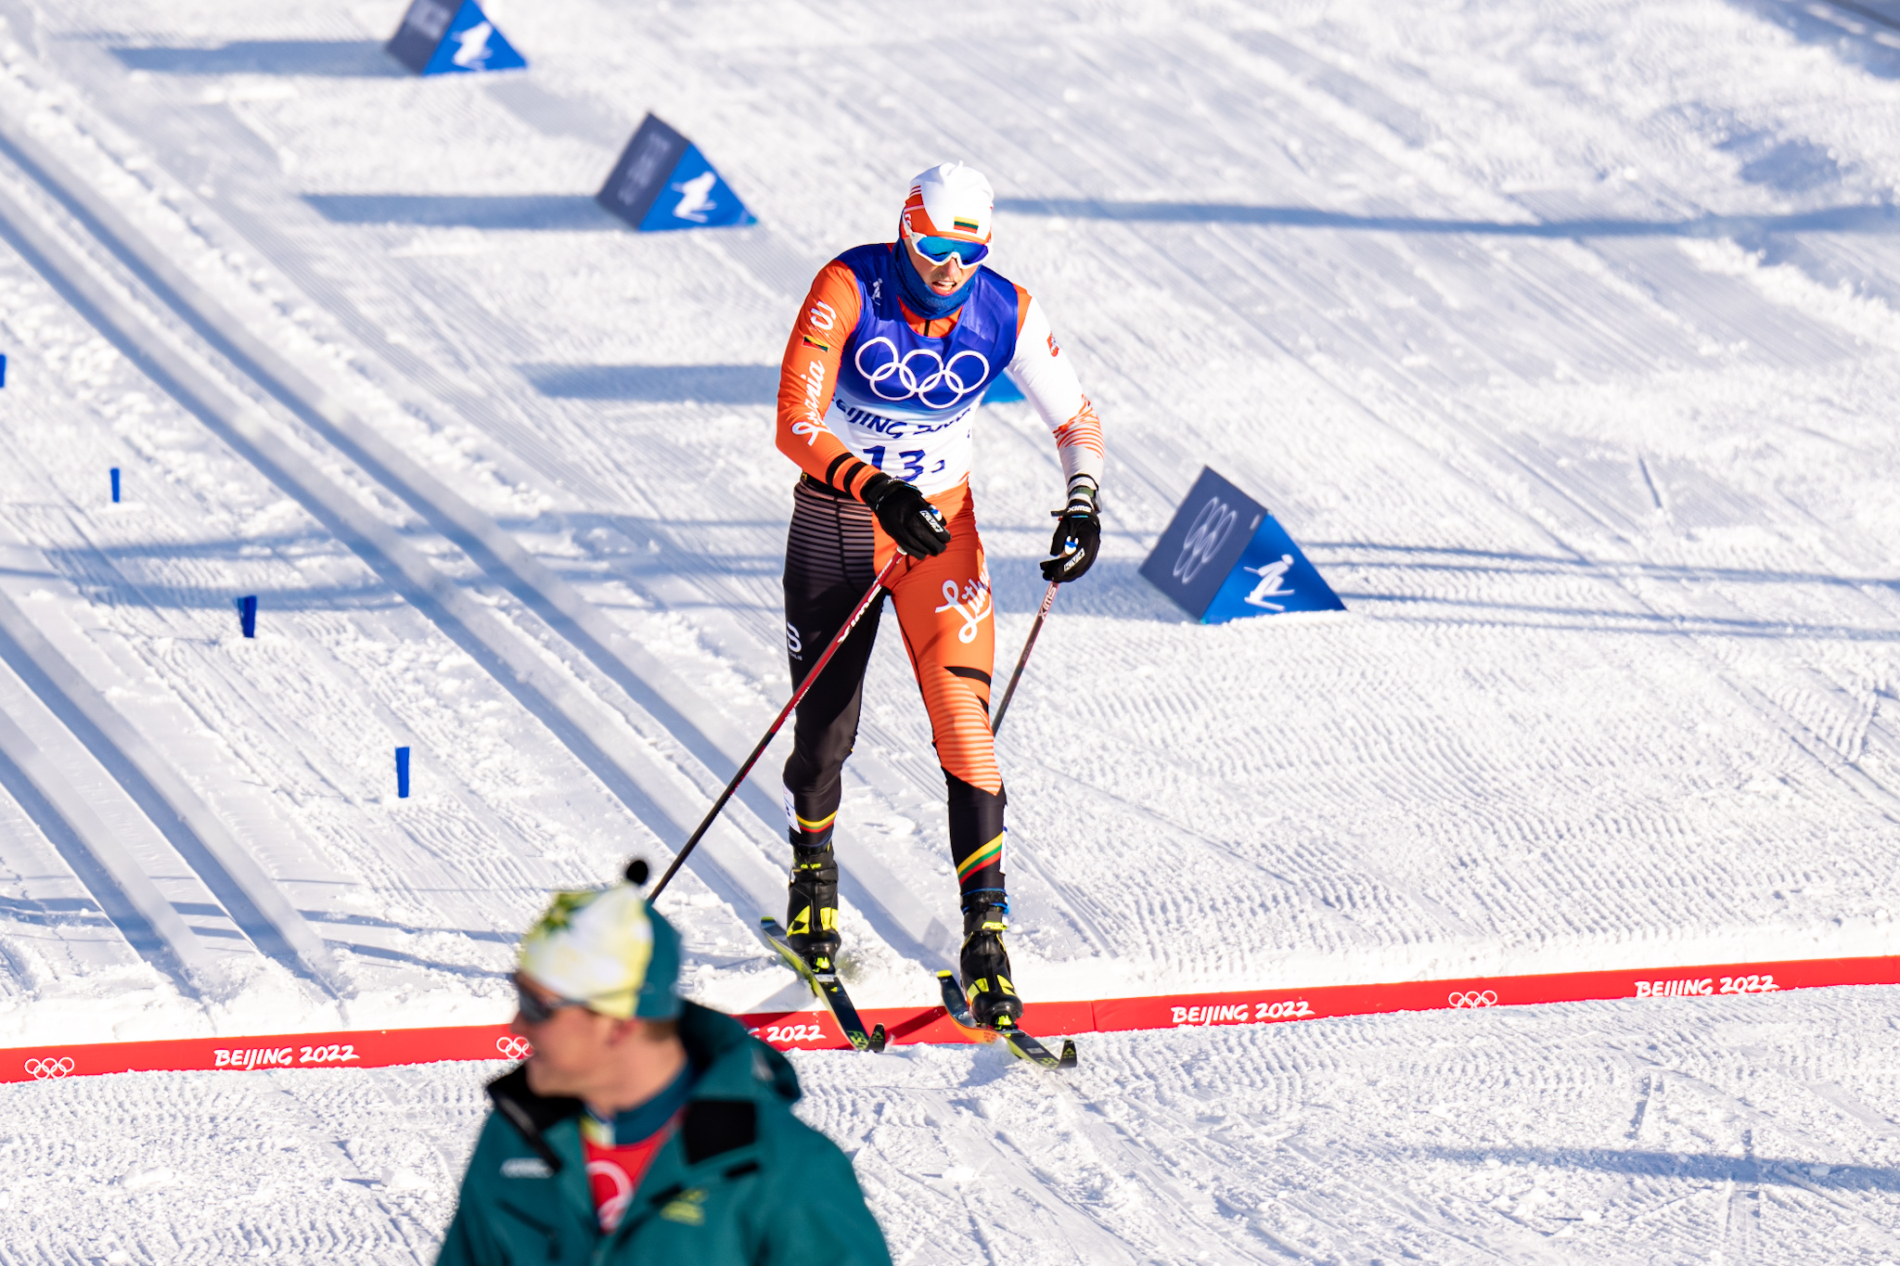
1020,1043
826,986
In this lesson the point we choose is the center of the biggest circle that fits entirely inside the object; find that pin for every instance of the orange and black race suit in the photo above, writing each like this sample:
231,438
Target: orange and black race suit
868,385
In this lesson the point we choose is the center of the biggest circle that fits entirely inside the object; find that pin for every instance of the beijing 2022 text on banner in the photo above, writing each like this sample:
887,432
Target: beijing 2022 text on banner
663,182
814,1029
451,37
1224,557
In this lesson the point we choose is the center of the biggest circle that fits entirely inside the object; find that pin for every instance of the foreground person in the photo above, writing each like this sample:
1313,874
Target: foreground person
645,1129
893,352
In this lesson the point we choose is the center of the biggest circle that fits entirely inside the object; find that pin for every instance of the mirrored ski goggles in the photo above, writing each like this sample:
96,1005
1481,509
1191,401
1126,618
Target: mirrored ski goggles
537,1010
940,250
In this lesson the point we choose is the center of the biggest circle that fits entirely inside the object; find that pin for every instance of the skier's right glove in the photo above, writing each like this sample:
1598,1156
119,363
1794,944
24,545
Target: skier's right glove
907,515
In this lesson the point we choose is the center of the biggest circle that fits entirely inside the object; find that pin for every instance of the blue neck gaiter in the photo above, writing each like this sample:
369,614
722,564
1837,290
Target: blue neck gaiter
917,294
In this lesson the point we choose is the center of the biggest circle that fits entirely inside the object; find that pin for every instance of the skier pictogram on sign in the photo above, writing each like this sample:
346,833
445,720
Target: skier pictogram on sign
663,182
451,37
1225,557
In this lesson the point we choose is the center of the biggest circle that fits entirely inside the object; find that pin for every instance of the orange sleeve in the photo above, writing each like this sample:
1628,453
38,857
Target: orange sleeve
809,375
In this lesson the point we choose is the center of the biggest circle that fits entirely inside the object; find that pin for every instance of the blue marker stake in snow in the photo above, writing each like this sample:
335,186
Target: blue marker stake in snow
3,371
247,615
115,485
402,773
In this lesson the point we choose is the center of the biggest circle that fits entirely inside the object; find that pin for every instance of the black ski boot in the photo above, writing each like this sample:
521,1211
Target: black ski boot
811,914
985,966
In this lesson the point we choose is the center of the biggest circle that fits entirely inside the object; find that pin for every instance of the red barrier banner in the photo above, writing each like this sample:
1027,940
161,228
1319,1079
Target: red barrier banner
1270,1006
359,1048
815,1030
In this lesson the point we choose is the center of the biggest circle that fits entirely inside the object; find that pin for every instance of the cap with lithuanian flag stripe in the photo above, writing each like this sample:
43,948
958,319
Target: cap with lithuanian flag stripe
949,200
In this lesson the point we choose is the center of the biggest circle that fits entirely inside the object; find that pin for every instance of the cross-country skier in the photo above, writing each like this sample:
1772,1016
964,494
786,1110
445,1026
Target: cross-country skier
643,1128
890,357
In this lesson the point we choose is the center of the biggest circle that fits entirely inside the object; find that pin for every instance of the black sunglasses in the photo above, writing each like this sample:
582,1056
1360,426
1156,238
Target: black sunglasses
534,1009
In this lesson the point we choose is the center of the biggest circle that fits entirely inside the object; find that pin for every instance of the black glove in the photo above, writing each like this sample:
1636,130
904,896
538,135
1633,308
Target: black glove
915,524
1078,535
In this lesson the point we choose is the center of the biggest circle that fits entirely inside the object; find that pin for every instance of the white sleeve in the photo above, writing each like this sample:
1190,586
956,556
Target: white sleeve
1050,384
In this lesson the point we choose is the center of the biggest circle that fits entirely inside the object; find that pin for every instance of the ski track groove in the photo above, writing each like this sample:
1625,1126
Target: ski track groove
95,851
707,735
93,572
200,838
908,926
482,406
574,719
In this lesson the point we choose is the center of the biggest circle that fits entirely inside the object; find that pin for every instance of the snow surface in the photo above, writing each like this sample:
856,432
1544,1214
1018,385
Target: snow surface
1563,336
1686,1130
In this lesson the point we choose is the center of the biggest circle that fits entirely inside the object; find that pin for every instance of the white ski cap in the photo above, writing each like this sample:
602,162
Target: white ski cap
609,949
949,200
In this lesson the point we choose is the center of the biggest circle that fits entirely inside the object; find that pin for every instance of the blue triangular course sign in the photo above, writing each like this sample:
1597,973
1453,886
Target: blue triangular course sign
663,182
451,37
1225,557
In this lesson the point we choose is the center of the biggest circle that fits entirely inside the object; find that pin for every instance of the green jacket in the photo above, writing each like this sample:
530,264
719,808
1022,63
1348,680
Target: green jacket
742,1182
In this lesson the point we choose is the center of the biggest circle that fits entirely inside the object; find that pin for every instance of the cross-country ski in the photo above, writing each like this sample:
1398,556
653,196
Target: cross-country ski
822,976
1021,1044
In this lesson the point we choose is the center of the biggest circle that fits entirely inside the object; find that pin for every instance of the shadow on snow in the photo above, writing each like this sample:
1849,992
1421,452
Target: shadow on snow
332,59
1878,219
657,384
537,211
1690,1167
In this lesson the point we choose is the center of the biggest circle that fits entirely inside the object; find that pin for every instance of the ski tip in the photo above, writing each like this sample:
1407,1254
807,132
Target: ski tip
945,975
877,1040
1068,1054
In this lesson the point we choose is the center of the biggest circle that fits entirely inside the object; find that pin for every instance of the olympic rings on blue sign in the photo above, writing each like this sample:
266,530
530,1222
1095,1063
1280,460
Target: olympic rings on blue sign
1205,538
940,378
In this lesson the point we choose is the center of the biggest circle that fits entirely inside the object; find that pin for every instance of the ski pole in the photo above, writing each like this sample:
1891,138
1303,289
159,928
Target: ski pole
857,613
1048,600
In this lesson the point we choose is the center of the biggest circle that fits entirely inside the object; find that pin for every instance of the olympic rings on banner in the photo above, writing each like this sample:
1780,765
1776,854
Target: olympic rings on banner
889,365
512,1047
41,1069
1205,538
1474,999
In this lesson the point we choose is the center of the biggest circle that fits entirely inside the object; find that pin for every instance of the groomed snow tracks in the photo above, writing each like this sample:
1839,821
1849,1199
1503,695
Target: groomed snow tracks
60,788
661,794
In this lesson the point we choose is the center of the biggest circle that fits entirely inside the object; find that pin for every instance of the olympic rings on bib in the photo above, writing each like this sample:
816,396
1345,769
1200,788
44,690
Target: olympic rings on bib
41,1069
1205,538
945,380
512,1047
1474,999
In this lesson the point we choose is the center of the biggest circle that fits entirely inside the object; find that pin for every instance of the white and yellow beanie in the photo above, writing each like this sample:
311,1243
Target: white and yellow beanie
608,948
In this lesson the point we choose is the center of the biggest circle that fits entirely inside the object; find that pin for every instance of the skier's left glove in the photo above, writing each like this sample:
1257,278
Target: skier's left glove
1078,536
